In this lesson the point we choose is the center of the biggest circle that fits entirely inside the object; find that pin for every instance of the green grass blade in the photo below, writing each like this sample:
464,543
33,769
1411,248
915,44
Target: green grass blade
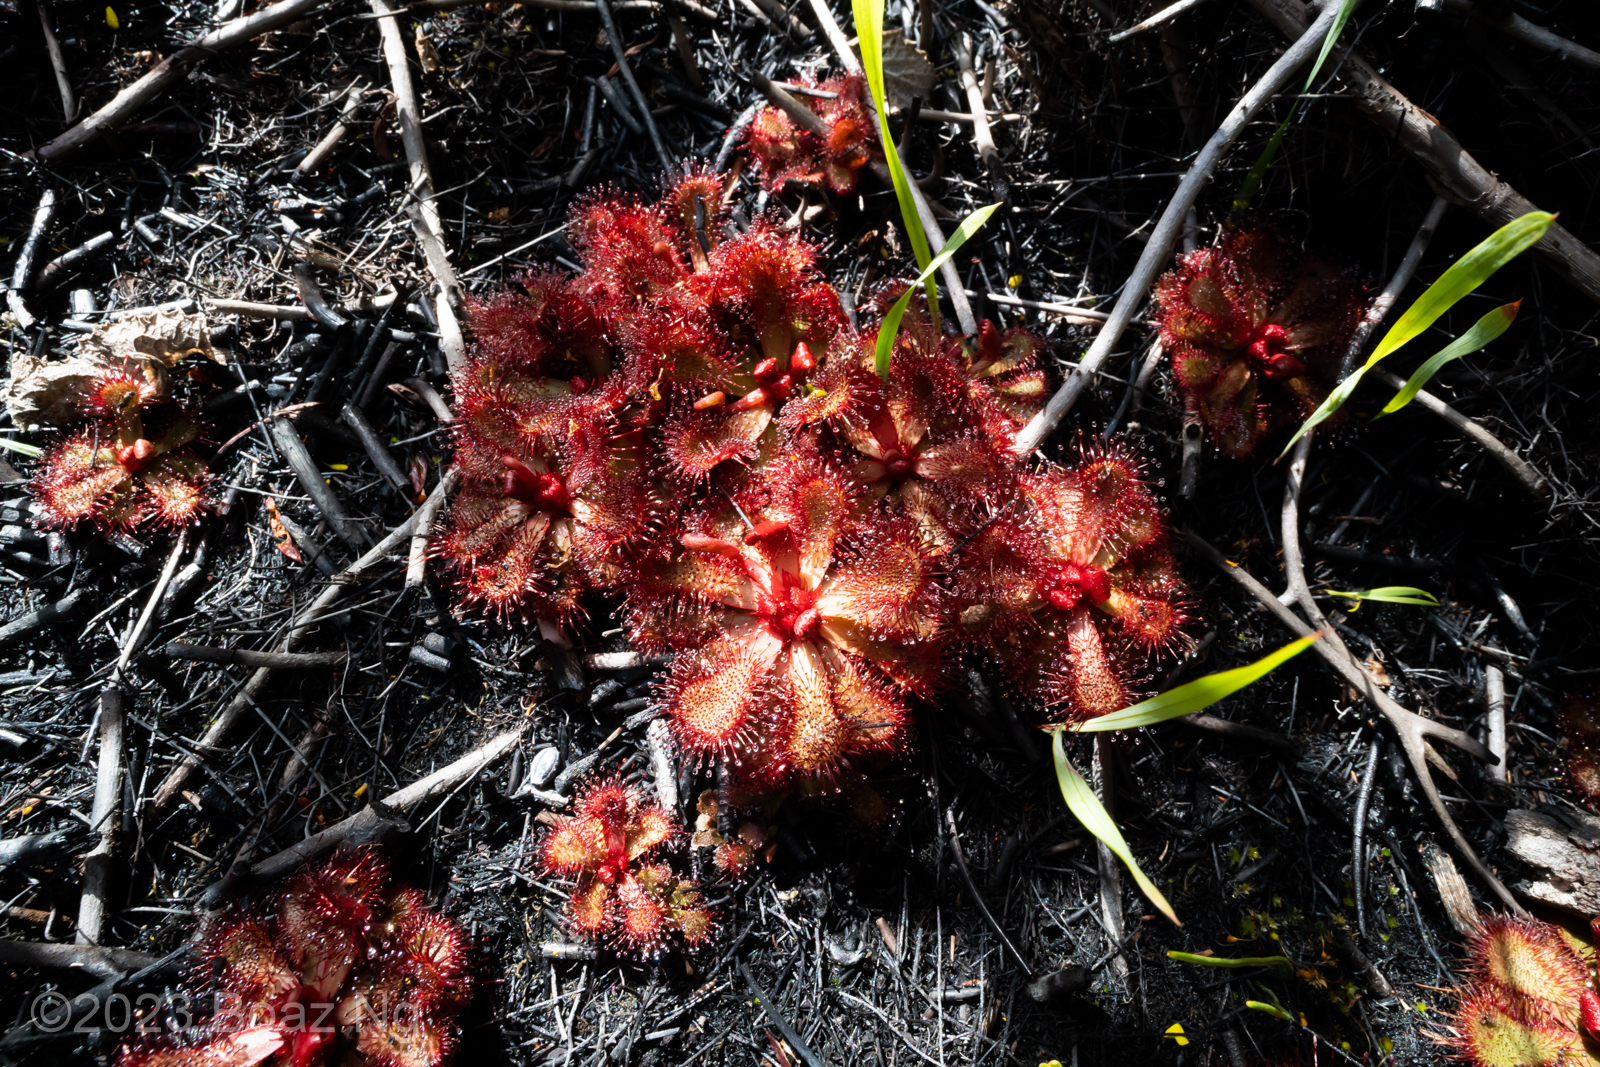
1258,172
21,448
1195,695
1464,275
1088,810
891,322
1339,20
1392,594
1486,329
869,38
1281,964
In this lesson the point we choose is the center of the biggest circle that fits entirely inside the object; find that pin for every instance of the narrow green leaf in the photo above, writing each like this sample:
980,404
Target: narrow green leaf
869,38
891,322
1276,963
1271,1009
1392,594
1088,810
1464,275
1345,10
1195,695
1258,172
1486,329
21,448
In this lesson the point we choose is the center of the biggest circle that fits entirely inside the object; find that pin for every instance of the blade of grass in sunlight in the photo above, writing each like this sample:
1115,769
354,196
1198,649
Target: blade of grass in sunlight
1464,276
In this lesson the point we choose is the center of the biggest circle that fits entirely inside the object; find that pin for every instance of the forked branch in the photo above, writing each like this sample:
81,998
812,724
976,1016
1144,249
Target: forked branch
1412,729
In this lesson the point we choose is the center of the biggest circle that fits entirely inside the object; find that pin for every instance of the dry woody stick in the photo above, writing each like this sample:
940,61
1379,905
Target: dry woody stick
304,622
425,213
1412,729
170,70
1456,173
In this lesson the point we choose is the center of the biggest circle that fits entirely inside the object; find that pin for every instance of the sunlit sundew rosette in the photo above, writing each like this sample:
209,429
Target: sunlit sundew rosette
1528,999
805,617
338,968
934,438
132,463
625,895
549,492
1072,586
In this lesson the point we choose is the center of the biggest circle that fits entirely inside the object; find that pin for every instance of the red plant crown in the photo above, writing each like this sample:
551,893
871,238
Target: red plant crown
1072,585
783,151
343,969
116,472
823,614
1256,333
624,896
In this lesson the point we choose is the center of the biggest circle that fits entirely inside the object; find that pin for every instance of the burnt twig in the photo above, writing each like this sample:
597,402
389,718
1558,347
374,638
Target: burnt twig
170,71
619,53
331,139
1519,468
982,136
1167,230
305,470
1413,730
253,689
22,273
30,622
377,451
977,897
1454,171
90,959
425,218
243,657
427,515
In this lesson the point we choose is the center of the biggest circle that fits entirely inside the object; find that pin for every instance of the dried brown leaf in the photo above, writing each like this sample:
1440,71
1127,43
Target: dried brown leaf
906,71
280,533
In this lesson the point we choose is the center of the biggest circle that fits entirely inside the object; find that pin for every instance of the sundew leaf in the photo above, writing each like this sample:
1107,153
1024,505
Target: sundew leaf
1281,964
869,38
891,322
1088,810
1392,594
1486,329
1464,275
1195,695
1258,172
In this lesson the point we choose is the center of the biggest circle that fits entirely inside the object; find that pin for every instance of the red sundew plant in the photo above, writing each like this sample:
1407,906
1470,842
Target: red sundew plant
623,897
692,422
935,438
1527,1001
1072,586
549,495
341,969
782,151
1256,332
823,616
132,463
